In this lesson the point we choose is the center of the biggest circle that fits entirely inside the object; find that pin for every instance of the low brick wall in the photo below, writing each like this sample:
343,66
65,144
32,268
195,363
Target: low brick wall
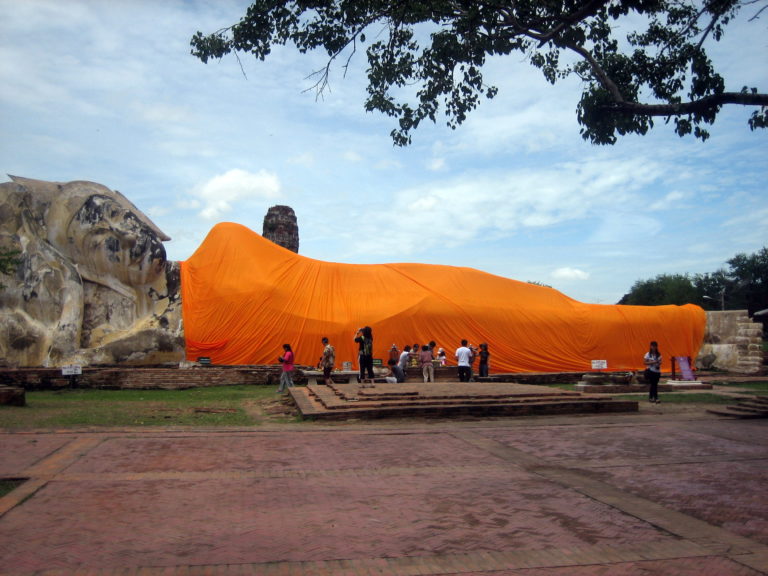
140,378
176,378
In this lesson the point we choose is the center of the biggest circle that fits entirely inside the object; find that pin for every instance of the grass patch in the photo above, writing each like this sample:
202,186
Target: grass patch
759,386
9,484
214,406
689,398
570,387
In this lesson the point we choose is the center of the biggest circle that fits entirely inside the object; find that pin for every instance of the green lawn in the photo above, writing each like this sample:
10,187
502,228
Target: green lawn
215,406
8,484
678,398
757,387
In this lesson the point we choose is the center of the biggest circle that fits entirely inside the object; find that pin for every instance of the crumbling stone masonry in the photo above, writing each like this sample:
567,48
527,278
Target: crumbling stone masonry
732,342
281,227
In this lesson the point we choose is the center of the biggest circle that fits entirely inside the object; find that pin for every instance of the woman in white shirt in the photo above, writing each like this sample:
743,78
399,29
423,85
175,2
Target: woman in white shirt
652,374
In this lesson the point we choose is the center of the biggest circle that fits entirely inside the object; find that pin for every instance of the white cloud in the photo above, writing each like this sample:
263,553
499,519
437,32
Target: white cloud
622,228
459,209
220,194
307,160
436,164
568,273
352,156
669,201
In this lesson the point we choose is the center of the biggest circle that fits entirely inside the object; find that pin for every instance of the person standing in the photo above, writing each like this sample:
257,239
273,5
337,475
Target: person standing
425,361
394,354
404,357
441,356
484,357
327,361
472,358
463,358
652,360
286,376
364,338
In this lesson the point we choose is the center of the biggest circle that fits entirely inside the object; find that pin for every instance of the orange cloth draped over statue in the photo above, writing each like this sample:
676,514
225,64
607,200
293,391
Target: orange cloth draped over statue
243,297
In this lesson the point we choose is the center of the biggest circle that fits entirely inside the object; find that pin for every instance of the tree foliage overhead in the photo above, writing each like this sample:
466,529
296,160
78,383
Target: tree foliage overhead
742,286
638,59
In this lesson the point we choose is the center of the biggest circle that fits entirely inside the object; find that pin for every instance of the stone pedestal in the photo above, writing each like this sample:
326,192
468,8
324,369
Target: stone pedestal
12,396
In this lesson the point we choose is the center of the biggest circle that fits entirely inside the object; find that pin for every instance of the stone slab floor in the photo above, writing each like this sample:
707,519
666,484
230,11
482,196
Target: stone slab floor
624,494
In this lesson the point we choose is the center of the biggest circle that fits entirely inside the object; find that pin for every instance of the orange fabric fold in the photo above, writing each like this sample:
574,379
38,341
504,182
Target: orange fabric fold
206,345
253,295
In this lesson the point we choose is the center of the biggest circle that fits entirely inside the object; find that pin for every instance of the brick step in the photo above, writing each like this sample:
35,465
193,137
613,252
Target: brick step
369,394
749,409
445,390
373,395
311,408
756,407
338,404
727,411
332,400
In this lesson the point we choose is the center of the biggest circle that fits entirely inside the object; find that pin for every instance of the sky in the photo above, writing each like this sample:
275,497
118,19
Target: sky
109,92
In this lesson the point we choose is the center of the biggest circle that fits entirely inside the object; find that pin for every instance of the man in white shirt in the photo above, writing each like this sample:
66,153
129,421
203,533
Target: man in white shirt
464,358
403,363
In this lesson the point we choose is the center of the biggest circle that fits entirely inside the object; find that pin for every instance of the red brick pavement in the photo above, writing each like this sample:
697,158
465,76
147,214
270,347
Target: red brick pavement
551,496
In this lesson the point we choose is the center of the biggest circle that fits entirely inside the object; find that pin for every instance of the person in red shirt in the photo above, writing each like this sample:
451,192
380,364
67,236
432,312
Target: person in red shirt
286,376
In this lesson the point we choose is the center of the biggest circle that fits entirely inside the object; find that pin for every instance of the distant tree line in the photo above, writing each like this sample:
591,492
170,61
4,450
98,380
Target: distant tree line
743,285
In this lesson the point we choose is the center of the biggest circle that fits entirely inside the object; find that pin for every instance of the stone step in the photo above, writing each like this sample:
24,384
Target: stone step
747,407
336,403
352,400
311,409
756,407
727,411
333,399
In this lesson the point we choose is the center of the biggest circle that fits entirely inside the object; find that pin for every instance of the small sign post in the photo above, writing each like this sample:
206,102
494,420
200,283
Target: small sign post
599,364
73,371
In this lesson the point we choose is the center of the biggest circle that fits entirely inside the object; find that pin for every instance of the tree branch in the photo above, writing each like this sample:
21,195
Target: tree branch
692,107
601,75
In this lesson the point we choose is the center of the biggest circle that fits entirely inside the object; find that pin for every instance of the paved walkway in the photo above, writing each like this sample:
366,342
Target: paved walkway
654,493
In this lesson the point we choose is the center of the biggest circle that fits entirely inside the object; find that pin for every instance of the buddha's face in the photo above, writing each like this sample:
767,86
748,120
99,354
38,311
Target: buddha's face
106,239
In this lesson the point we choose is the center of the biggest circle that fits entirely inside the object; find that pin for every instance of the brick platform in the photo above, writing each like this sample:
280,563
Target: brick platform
354,400
631,494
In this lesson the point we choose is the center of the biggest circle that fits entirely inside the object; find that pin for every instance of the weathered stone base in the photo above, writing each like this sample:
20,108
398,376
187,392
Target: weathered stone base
733,342
12,396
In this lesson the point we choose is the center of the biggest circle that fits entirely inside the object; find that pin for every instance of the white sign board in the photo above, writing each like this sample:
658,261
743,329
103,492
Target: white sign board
599,364
71,370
